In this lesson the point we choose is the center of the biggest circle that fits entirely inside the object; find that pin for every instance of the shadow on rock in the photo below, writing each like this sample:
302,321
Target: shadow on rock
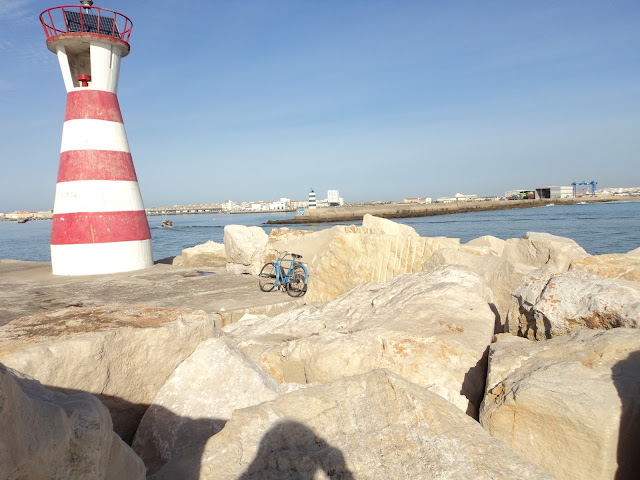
129,416
292,451
626,377
165,261
474,383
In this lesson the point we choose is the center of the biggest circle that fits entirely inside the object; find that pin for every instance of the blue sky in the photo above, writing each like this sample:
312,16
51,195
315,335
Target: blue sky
257,100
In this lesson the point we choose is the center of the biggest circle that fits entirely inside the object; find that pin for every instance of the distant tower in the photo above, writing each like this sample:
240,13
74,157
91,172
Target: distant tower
312,199
99,222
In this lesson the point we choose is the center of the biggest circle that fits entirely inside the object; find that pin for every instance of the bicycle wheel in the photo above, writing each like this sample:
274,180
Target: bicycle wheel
268,276
297,282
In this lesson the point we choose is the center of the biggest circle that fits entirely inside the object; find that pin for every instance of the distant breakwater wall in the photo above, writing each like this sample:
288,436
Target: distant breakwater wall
347,214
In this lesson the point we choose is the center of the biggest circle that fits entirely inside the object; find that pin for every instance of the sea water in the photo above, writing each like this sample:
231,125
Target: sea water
612,227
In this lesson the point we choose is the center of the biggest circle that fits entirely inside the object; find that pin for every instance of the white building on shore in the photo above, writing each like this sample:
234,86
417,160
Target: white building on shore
457,198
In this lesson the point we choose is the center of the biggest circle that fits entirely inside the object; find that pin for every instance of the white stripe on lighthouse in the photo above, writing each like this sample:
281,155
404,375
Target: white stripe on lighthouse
87,134
97,196
94,258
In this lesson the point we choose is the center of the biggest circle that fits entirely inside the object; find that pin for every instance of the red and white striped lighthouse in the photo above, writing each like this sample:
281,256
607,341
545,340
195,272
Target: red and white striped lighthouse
99,222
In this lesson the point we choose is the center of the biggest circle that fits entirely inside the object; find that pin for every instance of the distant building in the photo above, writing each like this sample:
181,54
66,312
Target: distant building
312,199
229,205
458,197
554,192
417,200
334,199
299,204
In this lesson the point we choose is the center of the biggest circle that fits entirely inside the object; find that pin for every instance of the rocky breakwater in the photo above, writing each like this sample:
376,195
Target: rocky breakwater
121,355
396,367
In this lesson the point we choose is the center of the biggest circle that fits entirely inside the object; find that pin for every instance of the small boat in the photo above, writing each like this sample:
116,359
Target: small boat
582,203
550,205
167,223
24,220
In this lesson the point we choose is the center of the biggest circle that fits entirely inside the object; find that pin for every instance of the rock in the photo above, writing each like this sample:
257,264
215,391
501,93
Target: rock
376,425
569,405
502,275
538,249
520,317
433,328
209,254
494,245
46,434
245,248
352,259
615,265
311,245
198,399
572,300
635,252
122,355
383,226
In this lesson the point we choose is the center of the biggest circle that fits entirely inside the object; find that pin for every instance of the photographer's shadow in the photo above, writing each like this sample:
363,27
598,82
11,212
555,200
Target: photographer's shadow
292,451
626,377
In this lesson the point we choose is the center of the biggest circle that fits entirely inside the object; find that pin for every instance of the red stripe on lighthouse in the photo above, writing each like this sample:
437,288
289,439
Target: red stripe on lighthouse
93,104
96,165
102,227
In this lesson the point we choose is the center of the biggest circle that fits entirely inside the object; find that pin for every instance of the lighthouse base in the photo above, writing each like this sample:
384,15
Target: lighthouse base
100,258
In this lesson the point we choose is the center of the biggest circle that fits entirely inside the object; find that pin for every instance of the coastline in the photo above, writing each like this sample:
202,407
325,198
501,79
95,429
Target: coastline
347,214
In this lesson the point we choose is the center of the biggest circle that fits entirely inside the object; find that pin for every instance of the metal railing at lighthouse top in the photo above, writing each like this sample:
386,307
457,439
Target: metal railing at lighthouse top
82,19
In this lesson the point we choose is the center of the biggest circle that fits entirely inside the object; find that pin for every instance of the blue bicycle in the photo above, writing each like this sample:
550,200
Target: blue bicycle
294,280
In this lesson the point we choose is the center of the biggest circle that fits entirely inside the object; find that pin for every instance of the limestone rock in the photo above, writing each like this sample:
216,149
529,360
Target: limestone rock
433,328
494,245
209,254
383,226
310,244
615,265
352,259
502,275
538,249
520,317
122,355
376,425
46,434
198,399
569,405
571,301
245,248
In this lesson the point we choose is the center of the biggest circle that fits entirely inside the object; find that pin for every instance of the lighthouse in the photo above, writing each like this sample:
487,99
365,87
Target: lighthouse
99,221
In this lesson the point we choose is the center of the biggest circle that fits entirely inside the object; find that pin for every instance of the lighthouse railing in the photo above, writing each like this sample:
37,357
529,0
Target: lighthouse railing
81,19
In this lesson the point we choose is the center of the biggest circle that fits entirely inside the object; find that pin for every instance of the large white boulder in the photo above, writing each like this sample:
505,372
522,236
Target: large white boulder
209,254
549,304
46,434
538,249
383,226
198,399
569,405
490,244
377,425
244,248
433,328
502,275
352,259
614,265
122,355
310,244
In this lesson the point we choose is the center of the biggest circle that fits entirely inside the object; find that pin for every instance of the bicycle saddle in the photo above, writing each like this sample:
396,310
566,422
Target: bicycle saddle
295,255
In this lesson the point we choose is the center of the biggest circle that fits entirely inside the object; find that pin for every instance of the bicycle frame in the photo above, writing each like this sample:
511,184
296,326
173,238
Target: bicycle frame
281,277
285,273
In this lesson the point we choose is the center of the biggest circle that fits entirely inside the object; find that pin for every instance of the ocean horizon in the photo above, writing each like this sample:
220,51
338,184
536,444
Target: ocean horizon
600,228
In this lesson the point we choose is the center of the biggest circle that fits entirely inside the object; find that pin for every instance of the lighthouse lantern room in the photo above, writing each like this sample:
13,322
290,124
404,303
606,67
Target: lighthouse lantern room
99,221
